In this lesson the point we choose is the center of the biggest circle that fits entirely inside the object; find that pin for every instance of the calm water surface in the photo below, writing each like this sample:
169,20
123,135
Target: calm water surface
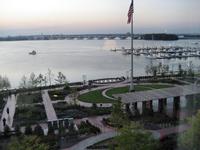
76,58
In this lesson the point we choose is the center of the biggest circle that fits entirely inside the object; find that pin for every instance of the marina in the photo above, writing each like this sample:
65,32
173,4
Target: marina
163,52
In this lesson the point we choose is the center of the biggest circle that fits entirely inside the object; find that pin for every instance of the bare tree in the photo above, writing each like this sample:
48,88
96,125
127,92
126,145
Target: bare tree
61,78
24,82
50,76
40,79
33,80
4,82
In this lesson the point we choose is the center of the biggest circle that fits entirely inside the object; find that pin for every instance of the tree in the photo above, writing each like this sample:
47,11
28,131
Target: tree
118,117
45,81
33,80
61,78
4,82
24,82
27,143
17,130
180,70
132,137
74,95
153,70
38,130
50,76
6,130
40,79
190,139
191,69
28,130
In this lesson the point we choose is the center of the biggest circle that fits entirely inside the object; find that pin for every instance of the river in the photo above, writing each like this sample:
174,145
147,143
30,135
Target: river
76,58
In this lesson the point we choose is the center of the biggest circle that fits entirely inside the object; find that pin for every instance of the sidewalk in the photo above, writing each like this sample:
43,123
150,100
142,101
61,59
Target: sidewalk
50,112
11,104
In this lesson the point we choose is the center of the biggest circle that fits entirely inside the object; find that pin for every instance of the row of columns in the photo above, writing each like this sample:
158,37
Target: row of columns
147,107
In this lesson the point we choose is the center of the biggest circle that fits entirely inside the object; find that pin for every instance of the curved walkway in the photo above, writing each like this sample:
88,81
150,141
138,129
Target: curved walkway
158,134
92,140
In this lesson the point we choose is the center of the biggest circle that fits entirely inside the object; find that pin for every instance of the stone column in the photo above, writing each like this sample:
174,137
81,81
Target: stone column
127,107
135,110
162,105
150,105
176,107
144,107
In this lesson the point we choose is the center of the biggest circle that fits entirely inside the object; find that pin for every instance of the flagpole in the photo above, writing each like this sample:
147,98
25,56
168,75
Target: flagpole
131,86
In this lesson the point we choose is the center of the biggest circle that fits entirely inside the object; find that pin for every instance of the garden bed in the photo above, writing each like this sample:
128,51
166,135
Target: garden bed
29,115
63,110
29,98
58,94
2,104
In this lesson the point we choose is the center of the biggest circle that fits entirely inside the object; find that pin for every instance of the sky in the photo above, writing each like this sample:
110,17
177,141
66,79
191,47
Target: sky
27,17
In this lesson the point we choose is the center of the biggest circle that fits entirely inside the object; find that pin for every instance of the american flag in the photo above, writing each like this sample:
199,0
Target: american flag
130,13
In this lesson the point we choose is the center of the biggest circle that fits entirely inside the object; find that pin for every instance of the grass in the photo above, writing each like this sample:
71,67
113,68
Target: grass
94,97
125,89
97,97
29,98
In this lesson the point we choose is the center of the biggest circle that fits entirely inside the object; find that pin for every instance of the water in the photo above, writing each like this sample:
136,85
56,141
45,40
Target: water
76,58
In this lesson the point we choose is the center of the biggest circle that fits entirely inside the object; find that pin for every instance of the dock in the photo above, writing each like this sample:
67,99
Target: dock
170,52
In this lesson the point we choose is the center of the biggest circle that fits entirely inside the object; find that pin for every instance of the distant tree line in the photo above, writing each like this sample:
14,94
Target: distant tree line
163,70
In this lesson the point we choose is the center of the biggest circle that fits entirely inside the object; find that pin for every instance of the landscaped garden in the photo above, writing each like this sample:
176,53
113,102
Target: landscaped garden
29,98
29,115
85,127
64,110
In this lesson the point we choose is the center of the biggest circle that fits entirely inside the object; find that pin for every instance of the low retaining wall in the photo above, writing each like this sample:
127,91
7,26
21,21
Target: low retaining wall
103,105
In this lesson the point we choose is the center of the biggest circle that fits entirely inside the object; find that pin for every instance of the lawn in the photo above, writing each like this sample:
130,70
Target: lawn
94,97
29,98
97,97
29,115
125,89
58,94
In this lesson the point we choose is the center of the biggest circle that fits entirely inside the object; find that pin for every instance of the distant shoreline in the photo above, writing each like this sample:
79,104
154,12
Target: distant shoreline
101,37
